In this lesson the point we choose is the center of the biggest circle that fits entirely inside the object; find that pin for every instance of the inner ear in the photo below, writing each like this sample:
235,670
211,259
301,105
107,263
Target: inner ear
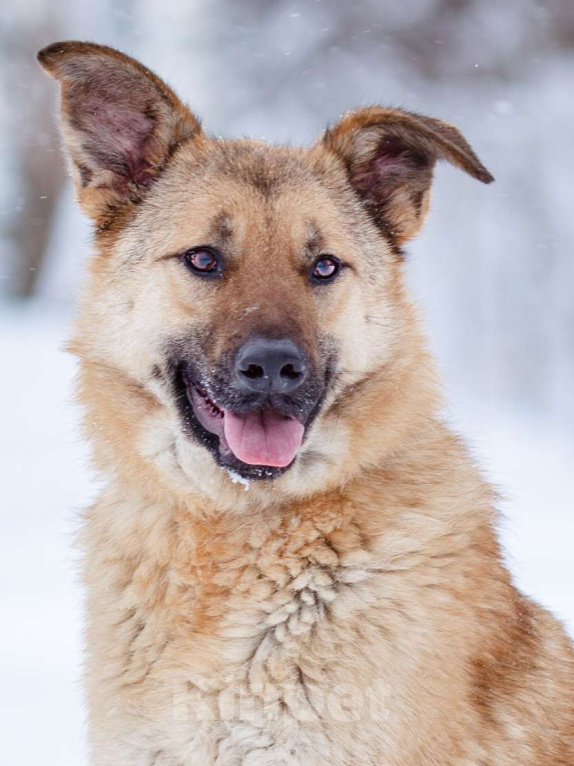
390,163
393,179
393,158
116,136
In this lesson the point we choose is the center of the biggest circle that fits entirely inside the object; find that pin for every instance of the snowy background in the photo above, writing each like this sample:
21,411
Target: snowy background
494,269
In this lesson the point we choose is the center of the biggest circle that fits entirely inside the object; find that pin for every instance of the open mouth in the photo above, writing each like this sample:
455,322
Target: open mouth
256,444
263,437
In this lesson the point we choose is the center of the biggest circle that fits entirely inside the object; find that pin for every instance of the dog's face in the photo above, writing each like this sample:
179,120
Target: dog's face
245,307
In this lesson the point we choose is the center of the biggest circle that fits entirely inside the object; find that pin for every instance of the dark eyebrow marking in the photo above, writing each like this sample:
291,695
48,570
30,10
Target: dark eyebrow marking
222,228
315,239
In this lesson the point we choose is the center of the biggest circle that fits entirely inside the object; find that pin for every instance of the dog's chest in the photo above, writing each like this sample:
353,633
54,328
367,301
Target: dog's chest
237,657
259,599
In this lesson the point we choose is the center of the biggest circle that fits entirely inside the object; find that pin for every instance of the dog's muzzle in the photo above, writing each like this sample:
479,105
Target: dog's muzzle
253,410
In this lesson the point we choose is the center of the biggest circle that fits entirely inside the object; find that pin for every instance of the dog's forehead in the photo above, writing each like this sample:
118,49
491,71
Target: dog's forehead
245,171
234,191
264,167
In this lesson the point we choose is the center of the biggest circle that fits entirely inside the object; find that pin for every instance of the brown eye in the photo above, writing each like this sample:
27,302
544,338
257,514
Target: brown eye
325,268
203,261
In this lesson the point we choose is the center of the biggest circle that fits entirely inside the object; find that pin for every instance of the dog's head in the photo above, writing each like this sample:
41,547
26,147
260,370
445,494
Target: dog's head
244,308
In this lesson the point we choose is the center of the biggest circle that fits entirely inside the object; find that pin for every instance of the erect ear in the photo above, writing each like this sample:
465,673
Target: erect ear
120,123
390,156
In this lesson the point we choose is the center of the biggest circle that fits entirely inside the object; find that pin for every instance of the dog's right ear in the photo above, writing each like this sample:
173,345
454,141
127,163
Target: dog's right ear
120,123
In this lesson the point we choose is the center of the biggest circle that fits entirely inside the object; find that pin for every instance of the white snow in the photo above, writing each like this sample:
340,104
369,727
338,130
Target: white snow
238,479
45,484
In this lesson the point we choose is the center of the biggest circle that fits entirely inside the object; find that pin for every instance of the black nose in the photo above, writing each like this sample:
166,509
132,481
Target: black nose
270,366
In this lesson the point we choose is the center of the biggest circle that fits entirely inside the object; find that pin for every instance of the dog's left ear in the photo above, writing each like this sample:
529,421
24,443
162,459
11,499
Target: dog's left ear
390,155
120,123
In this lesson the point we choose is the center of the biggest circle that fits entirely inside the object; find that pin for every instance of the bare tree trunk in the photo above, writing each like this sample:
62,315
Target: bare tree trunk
33,136
41,179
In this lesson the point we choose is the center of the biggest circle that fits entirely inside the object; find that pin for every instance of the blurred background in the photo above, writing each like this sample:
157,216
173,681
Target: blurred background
493,270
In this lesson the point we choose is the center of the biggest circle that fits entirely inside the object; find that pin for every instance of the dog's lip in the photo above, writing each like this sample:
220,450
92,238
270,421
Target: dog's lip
258,434
219,409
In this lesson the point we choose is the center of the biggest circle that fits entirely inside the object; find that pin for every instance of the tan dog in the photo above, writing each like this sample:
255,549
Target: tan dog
293,560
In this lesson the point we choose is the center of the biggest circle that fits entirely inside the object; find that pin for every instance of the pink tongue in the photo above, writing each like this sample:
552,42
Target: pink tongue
263,438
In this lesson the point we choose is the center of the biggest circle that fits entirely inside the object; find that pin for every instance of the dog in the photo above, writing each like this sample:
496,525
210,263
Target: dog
293,560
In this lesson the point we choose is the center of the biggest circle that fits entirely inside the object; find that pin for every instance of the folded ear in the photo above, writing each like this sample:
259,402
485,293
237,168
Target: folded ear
390,156
120,123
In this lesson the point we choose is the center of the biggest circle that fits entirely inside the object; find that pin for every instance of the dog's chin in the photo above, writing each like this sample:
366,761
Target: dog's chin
258,444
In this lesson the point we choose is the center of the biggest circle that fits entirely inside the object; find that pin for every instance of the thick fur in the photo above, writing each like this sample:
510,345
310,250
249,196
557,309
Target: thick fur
354,610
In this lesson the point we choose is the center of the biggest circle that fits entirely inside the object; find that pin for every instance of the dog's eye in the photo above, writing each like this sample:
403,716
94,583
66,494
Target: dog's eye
204,261
325,268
